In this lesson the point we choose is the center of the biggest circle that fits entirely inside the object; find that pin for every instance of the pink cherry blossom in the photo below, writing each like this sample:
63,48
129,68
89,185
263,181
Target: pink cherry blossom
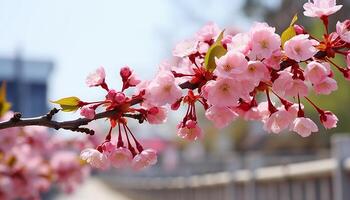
327,86
316,72
96,78
320,8
278,121
221,116
222,92
190,132
146,158
95,158
185,48
156,115
263,110
120,157
240,42
285,85
264,40
245,85
304,126
208,32
88,112
274,60
257,71
68,170
163,89
203,47
252,114
329,120
134,80
232,63
343,30
300,47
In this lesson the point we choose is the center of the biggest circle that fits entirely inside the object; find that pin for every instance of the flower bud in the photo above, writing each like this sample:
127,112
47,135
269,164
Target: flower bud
87,112
111,95
191,124
119,97
125,73
299,29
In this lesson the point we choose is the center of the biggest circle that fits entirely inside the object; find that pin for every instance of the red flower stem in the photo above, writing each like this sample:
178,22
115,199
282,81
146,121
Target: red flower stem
109,135
138,145
120,142
271,107
105,86
325,23
300,111
337,66
130,147
320,111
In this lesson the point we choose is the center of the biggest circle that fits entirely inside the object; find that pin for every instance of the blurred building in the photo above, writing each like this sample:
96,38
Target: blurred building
26,84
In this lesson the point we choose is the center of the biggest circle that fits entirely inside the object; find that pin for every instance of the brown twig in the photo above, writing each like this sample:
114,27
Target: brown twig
73,125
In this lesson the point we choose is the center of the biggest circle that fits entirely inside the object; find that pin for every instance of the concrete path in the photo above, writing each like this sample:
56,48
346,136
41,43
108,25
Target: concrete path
93,189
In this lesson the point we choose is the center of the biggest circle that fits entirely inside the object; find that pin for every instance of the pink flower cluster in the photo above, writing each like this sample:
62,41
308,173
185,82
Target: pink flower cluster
256,75
118,154
32,161
255,62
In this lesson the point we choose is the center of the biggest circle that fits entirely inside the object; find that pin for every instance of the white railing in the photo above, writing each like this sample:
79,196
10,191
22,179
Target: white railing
326,179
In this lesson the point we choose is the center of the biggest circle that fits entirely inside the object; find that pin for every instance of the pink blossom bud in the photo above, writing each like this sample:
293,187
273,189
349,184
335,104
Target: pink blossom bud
299,29
176,104
125,73
191,124
111,95
329,120
119,97
153,110
88,112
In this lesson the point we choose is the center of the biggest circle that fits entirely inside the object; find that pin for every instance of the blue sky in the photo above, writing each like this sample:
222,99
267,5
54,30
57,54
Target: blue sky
81,35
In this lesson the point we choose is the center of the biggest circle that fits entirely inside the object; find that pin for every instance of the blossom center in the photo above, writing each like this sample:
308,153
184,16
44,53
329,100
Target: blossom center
227,68
167,88
225,88
264,44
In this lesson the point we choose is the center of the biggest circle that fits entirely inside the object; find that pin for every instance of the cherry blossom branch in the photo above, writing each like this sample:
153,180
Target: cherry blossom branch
73,125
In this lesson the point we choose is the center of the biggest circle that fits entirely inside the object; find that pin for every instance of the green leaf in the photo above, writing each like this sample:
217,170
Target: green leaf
68,104
289,32
216,50
4,104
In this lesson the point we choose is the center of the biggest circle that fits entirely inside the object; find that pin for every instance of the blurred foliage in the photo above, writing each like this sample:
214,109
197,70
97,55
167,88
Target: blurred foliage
5,106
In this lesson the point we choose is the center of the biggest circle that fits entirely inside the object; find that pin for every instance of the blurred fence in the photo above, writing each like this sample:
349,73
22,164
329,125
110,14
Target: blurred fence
326,179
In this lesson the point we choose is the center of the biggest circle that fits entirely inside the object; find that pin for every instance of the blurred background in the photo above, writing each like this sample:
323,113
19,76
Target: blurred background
47,48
